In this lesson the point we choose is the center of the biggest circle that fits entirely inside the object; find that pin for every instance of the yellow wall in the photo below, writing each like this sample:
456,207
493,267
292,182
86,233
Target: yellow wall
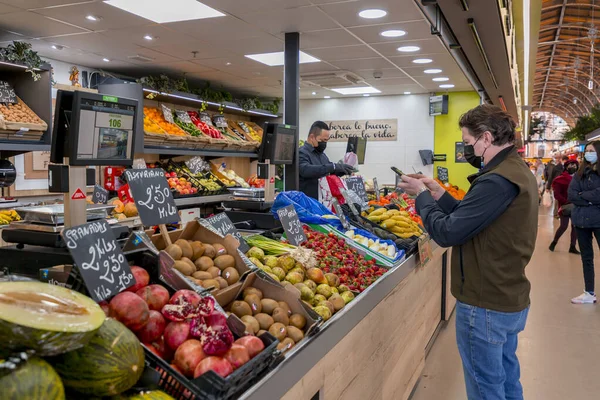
447,133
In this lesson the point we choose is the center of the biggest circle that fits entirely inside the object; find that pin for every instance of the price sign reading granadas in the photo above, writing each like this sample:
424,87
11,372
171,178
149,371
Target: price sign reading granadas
291,225
101,263
152,196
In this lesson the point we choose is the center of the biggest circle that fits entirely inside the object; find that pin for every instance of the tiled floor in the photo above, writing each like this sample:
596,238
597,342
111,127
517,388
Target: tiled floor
560,347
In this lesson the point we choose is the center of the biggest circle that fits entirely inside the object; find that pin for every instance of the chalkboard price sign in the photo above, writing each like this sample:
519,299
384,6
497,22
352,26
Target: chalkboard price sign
223,225
7,93
196,165
291,225
340,214
357,185
100,195
152,196
100,261
442,174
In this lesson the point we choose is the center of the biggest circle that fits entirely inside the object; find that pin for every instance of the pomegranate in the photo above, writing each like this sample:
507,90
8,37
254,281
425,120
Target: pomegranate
161,349
185,296
216,343
177,312
176,333
155,296
130,309
153,329
217,364
252,343
141,279
237,355
188,356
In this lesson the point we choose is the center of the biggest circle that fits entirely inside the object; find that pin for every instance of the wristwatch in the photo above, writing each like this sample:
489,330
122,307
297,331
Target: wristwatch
424,189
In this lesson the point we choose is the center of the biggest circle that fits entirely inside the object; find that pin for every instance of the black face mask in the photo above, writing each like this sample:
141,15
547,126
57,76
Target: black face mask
476,161
571,170
321,146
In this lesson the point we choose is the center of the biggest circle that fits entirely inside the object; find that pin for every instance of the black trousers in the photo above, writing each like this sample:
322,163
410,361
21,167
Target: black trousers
586,246
564,224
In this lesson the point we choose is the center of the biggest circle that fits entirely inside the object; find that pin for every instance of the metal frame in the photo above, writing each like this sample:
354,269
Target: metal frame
291,102
556,37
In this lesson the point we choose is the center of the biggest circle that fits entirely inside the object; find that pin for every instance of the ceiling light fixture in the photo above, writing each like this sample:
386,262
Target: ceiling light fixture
447,86
326,97
409,49
433,71
393,33
106,60
366,95
422,60
57,47
356,90
161,11
227,63
314,93
276,59
441,79
406,92
92,18
148,37
372,13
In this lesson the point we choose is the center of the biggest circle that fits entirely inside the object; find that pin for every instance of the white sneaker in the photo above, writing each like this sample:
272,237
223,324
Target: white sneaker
584,298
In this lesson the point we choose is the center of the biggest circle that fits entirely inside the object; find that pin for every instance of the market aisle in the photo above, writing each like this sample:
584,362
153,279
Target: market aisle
560,345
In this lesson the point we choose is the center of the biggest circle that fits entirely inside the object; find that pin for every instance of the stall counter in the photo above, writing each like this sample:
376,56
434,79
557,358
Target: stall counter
376,348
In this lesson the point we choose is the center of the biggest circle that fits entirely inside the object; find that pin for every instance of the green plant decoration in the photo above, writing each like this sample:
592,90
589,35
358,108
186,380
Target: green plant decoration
21,53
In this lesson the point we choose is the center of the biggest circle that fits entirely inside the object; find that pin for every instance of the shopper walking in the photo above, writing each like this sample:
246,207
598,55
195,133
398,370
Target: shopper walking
584,193
553,172
492,231
560,187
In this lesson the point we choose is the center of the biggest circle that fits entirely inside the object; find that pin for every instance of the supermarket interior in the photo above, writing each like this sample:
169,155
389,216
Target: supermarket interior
299,199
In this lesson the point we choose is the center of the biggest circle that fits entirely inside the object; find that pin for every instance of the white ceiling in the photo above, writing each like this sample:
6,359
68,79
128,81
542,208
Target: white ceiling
331,30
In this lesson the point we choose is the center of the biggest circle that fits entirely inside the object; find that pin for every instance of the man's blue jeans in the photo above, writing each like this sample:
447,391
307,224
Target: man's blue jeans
487,342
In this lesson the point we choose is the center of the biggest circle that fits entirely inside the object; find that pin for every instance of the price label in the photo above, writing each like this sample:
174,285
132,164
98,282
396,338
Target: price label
152,196
196,165
204,117
219,121
357,185
183,116
340,214
101,263
442,174
100,195
376,186
352,198
7,93
223,225
167,113
291,225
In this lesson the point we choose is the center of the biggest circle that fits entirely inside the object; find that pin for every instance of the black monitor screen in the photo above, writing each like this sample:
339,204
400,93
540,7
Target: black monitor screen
278,144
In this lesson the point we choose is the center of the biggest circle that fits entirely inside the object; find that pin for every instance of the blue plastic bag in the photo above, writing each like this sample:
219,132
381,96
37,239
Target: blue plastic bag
309,210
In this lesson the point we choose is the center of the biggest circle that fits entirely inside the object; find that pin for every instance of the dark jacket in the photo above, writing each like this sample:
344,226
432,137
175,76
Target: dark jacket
584,193
488,269
560,187
553,173
313,165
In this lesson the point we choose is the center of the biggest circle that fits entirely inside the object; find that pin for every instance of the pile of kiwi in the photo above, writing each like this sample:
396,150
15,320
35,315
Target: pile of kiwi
260,315
207,265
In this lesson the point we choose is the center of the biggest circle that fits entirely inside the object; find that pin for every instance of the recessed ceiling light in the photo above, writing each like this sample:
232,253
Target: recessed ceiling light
275,59
227,63
57,47
356,90
422,60
409,49
433,71
372,13
406,92
393,33
93,18
148,37
161,11
314,93
441,79
447,86
106,60
366,95
326,97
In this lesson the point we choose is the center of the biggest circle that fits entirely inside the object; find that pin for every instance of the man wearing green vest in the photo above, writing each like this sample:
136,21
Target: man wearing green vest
492,233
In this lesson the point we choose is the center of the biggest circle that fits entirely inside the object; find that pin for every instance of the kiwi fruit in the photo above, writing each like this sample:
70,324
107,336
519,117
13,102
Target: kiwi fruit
231,275
250,320
189,262
174,251
211,283
222,282
184,268
265,320
220,249
252,290
186,249
278,330
268,305
198,249
214,271
286,344
280,315
224,261
241,308
261,332
298,320
202,275
209,251
254,303
294,333
204,263
284,305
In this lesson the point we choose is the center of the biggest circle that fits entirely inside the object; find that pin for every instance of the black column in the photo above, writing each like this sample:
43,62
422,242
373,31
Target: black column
291,101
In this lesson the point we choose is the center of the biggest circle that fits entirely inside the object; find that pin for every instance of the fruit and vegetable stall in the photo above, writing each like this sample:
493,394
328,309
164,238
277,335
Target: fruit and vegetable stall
349,310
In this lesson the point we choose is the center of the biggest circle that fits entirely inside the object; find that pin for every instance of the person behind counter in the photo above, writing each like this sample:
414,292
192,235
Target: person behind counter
492,231
314,163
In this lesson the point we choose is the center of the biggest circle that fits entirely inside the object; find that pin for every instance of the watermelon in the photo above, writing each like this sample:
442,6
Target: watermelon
34,379
46,318
151,395
111,363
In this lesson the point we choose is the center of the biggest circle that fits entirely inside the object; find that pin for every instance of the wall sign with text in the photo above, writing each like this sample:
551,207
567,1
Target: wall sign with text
373,130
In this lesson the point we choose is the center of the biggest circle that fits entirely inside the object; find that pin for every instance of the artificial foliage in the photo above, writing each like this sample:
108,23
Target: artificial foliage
22,53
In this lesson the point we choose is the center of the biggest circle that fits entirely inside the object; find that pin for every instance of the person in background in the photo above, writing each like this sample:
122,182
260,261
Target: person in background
560,188
540,171
553,172
492,231
314,163
584,193
538,179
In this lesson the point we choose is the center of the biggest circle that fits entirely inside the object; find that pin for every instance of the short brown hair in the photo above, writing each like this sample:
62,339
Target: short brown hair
493,119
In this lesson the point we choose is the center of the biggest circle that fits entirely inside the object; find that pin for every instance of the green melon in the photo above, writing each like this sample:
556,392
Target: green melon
35,379
109,364
46,318
151,395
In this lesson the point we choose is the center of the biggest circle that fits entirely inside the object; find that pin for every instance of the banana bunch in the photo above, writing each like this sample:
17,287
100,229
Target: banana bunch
8,216
395,221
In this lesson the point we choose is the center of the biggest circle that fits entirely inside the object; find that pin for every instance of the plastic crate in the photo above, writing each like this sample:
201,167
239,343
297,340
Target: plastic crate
212,386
